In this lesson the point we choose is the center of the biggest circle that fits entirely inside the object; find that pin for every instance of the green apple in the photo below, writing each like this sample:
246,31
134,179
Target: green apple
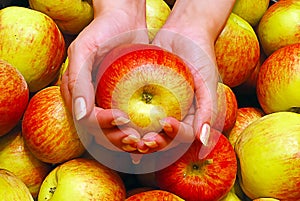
279,26
82,179
16,157
269,160
231,196
12,188
32,43
251,10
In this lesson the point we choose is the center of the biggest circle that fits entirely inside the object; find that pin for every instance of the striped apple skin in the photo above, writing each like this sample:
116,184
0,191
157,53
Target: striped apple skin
48,128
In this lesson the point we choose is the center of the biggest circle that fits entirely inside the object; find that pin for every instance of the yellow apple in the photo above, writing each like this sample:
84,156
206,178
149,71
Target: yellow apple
12,188
231,196
32,43
71,16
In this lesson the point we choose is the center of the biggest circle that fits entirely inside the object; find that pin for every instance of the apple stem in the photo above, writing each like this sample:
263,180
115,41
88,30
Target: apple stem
147,97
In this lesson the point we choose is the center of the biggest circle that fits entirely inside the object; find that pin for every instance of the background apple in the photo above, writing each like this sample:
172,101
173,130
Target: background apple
156,85
251,10
48,128
279,26
14,97
32,43
237,51
278,80
82,179
12,188
70,16
16,157
209,178
269,159
154,195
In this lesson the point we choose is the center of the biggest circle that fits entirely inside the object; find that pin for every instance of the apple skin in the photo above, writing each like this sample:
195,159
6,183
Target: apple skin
32,43
230,196
268,152
146,82
154,195
48,128
251,10
227,109
70,16
12,188
194,179
266,199
237,51
82,179
14,97
245,116
16,157
279,26
278,80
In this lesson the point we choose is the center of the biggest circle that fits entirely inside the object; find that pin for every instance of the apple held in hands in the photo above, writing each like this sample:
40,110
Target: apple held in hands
279,26
146,82
32,43
237,51
48,128
278,82
268,152
209,178
14,97
84,180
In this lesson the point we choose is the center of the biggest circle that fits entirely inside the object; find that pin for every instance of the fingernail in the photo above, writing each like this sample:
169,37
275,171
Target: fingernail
151,144
166,126
128,148
79,108
144,150
205,133
130,139
120,121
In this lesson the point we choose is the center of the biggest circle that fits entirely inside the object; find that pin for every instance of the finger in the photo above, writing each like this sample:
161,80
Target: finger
108,118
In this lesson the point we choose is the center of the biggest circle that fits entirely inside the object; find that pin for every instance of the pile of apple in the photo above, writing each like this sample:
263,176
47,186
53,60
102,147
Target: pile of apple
254,151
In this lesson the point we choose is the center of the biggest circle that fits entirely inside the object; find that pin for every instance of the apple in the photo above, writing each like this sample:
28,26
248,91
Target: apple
279,26
268,153
137,190
231,196
146,82
251,10
48,128
82,179
201,178
70,16
157,12
245,116
14,97
237,51
32,43
266,199
12,188
227,108
278,80
16,157
154,195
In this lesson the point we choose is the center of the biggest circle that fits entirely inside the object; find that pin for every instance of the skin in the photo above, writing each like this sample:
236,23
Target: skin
112,18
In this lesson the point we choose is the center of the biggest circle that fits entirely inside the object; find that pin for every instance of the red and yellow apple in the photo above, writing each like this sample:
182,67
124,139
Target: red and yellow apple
146,82
269,160
48,128
251,10
237,51
154,195
82,179
16,157
14,97
279,26
206,179
32,43
278,80
12,188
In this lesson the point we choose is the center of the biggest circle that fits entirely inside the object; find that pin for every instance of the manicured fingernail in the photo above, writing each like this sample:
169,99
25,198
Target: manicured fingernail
166,126
205,133
130,139
151,144
144,150
136,158
128,148
120,121
79,108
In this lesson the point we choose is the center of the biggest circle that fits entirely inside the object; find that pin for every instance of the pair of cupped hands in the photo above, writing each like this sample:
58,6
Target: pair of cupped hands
183,36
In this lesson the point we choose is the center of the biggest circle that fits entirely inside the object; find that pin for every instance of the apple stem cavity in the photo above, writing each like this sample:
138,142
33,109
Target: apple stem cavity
294,109
147,97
